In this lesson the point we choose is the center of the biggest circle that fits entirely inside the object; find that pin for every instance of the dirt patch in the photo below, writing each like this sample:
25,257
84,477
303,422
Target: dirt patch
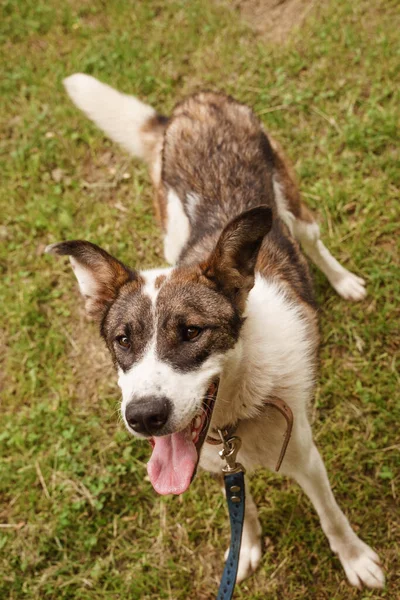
274,20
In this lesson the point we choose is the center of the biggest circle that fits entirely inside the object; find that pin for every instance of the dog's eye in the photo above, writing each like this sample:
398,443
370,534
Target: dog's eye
123,341
190,333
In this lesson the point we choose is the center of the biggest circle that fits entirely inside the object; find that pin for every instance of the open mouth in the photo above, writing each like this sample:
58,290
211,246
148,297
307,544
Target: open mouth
175,457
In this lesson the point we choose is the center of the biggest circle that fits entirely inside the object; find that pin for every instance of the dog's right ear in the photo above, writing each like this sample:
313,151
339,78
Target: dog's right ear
99,274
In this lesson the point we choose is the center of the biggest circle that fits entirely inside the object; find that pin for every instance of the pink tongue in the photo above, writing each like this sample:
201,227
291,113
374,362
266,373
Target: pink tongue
173,462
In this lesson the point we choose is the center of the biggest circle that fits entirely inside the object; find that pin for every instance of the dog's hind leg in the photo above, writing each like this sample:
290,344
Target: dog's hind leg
305,465
303,226
250,550
347,284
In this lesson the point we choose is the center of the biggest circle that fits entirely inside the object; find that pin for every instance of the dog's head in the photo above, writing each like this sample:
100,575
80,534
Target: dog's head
169,332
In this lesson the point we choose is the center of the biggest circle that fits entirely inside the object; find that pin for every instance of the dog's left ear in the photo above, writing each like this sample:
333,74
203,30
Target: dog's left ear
231,264
99,275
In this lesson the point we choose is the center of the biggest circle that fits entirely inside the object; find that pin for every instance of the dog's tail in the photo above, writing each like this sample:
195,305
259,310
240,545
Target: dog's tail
126,120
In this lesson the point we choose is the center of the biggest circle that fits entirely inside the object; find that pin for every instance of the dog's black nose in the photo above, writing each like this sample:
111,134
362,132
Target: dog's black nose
148,415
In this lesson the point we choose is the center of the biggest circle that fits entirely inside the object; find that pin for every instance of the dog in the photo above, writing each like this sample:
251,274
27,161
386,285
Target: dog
201,345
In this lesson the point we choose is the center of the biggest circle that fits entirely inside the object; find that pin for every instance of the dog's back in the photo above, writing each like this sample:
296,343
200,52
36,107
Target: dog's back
219,162
217,158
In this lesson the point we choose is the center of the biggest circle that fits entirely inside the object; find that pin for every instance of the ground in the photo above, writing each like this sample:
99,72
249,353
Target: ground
274,20
78,518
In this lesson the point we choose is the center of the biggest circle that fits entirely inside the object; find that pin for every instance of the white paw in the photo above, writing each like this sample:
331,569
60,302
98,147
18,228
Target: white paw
349,286
362,566
249,559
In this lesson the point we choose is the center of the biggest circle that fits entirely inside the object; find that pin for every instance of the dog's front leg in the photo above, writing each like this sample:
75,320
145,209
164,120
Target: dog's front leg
360,562
250,551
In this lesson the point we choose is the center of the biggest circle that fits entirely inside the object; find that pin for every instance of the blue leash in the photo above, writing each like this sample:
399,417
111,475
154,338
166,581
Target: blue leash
235,497
235,493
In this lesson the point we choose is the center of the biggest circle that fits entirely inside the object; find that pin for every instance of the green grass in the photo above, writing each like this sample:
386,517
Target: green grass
78,517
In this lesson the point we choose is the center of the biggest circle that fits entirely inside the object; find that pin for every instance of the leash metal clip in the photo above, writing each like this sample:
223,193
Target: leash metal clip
229,452
235,496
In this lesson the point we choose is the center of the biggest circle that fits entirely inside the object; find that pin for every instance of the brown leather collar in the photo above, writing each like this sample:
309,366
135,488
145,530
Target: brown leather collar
284,409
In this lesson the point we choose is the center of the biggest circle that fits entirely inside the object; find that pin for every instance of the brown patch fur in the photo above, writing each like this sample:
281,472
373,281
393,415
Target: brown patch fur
130,315
160,207
159,281
153,135
189,298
